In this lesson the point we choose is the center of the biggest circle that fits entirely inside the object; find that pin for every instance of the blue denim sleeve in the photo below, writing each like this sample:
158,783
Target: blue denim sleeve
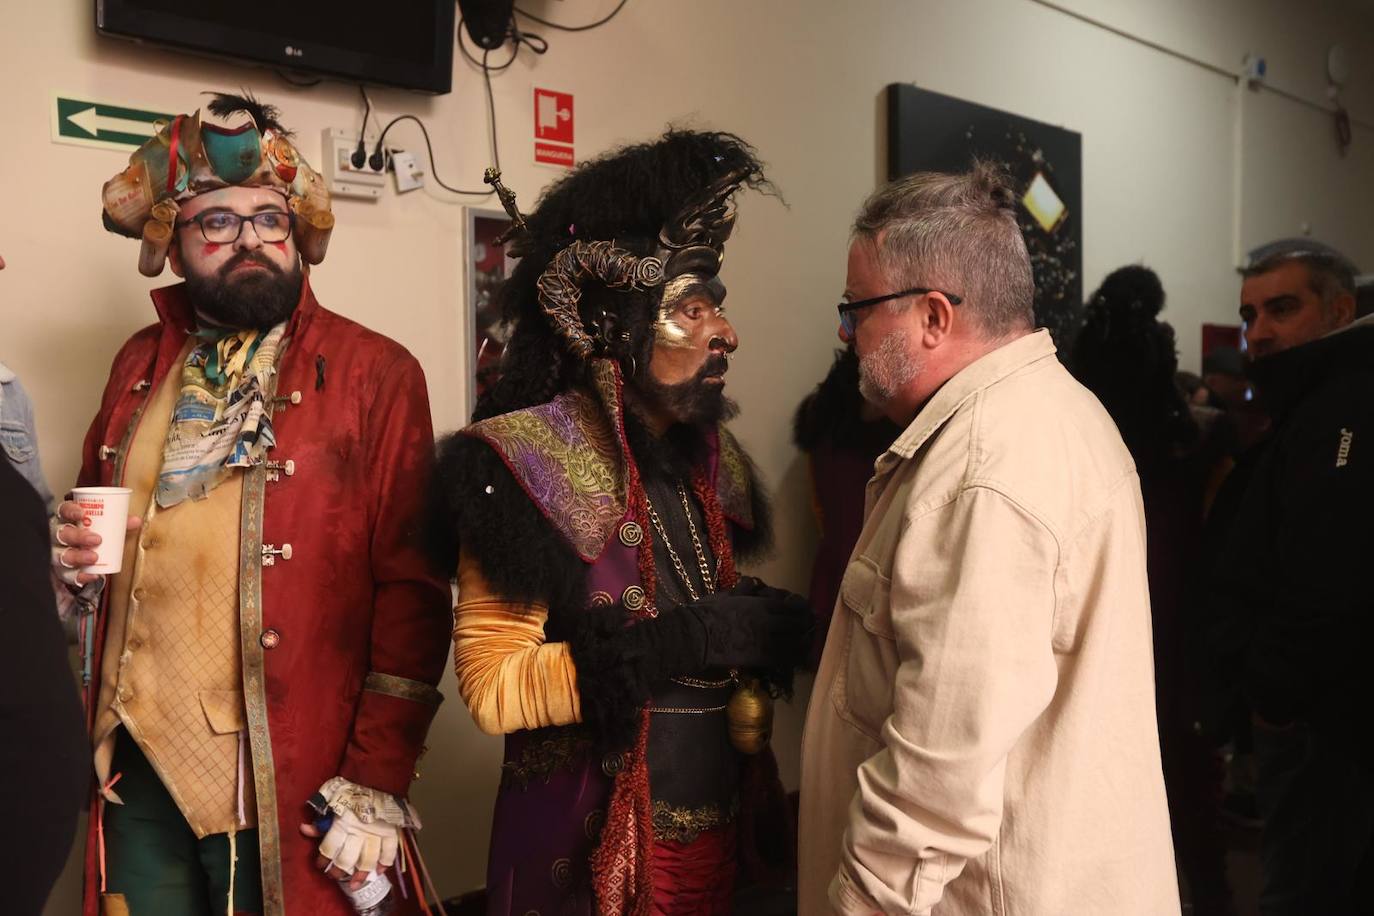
19,438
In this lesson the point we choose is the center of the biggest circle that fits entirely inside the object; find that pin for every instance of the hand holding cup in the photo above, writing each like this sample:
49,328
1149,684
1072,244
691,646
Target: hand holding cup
88,533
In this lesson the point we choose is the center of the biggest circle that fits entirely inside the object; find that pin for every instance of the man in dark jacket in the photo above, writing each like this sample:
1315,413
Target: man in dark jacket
1289,589
43,758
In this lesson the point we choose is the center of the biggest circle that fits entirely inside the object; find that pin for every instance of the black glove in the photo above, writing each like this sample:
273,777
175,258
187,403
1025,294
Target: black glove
750,626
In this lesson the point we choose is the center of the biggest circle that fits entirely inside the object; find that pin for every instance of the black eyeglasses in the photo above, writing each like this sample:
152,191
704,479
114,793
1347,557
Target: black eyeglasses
223,227
847,308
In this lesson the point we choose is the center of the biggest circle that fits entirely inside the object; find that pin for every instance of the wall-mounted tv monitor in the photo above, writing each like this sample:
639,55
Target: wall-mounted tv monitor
403,43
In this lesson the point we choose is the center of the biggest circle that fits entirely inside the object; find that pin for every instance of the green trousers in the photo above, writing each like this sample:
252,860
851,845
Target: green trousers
153,859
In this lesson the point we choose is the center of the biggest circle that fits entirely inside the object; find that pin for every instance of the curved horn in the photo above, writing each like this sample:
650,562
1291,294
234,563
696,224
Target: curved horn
560,285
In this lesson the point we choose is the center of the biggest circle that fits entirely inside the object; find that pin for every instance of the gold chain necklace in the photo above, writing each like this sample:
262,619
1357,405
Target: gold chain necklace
704,567
707,580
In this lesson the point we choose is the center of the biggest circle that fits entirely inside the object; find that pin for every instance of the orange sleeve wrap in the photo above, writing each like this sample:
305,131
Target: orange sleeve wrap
509,677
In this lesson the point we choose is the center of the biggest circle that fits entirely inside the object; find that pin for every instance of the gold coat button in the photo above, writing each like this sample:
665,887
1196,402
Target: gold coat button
633,598
270,639
601,599
592,824
631,535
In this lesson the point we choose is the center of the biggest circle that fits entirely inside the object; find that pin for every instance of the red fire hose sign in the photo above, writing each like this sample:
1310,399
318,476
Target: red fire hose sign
553,127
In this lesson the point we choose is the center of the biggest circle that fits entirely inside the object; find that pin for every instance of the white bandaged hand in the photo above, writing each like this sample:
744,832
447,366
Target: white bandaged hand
366,831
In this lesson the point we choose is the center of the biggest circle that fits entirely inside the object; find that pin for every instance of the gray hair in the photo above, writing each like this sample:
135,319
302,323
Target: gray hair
1330,274
956,233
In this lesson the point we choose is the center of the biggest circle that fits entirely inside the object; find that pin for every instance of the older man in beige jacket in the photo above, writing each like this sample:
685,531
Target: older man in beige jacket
981,737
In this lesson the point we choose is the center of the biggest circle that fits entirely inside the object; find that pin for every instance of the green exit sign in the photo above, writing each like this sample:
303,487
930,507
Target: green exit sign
111,125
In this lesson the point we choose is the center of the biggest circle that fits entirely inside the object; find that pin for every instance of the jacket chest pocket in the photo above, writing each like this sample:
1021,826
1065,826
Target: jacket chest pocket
14,438
863,693
865,592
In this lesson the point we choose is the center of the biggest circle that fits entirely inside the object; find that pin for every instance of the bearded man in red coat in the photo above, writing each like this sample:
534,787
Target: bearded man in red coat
275,635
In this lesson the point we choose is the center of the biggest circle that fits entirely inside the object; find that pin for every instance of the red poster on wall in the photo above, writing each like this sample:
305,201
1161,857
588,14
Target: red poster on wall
553,127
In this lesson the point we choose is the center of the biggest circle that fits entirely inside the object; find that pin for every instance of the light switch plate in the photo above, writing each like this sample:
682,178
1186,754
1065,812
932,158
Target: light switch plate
409,175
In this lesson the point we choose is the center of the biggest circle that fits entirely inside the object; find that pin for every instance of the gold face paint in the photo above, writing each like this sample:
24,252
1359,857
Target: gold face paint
667,331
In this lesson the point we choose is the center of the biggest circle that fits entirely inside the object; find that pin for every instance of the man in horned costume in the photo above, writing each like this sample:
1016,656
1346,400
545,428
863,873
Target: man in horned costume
600,508
276,632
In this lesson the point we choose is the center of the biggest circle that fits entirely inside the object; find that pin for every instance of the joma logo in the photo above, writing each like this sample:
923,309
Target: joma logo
1343,453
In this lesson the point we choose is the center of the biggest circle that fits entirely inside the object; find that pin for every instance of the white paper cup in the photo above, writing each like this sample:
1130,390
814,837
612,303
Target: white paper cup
105,510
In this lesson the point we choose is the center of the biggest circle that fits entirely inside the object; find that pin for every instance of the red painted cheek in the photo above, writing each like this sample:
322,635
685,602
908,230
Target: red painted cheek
211,248
280,246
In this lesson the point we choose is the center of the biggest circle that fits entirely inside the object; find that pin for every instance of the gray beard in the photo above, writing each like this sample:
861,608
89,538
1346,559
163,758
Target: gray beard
887,369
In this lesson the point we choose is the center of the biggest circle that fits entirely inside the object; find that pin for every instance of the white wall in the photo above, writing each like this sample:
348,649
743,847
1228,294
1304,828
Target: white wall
802,81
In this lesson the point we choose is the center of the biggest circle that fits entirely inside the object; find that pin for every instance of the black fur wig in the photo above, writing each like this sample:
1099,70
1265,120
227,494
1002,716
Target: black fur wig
1127,357
626,195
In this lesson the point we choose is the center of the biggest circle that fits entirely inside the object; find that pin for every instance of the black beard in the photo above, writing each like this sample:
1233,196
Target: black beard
669,457
694,402
255,300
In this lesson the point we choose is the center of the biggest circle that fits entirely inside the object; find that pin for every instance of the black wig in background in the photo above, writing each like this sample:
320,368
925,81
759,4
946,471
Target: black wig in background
627,195
841,437
1127,357
834,413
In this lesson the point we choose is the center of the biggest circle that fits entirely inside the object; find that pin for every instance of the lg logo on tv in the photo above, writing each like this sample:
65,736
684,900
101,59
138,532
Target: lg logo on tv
292,51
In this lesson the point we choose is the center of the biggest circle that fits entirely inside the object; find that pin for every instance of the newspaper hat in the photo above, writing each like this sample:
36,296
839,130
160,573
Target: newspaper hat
188,157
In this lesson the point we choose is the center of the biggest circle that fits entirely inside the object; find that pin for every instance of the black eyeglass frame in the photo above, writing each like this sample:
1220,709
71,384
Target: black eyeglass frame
846,309
199,221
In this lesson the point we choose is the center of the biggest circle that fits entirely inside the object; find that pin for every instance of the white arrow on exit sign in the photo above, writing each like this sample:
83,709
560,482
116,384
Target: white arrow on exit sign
93,123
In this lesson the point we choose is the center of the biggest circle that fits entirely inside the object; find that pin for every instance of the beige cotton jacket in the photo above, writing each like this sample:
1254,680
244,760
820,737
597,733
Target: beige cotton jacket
981,737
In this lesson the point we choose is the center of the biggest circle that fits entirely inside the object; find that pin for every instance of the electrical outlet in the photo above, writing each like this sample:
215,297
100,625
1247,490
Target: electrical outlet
409,175
341,176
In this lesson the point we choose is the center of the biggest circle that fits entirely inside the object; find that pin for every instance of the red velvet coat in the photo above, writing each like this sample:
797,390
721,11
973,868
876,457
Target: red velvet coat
343,642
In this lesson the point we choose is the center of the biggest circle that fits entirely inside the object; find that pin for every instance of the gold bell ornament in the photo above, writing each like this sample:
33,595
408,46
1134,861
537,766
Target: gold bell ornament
749,715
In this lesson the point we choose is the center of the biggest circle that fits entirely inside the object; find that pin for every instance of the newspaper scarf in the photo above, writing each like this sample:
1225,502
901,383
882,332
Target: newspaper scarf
220,421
